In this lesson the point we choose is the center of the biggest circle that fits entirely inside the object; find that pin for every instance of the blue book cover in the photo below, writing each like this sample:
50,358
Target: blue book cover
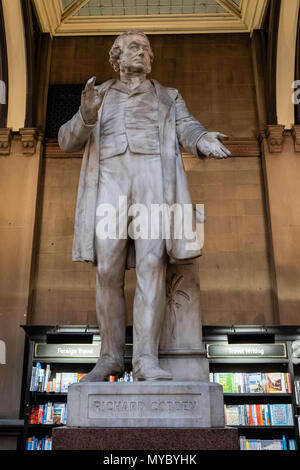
36,379
279,415
254,383
44,418
29,444
283,443
35,443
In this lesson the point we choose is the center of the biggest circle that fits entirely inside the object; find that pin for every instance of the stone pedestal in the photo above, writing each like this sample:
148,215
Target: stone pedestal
161,404
149,439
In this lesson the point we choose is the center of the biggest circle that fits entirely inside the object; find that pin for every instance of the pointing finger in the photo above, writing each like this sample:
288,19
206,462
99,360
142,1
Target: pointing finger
90,84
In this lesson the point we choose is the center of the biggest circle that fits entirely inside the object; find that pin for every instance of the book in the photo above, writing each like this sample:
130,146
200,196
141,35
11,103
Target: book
227,382
49,414
259,416
243,442
254,383
238,383
280,415
29,444
284,443
232,415
296,392
40,414
57,386
47,378
59,413
275,383
254,416
32,381
67,378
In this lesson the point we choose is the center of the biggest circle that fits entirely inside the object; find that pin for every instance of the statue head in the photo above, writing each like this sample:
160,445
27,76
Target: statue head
131,53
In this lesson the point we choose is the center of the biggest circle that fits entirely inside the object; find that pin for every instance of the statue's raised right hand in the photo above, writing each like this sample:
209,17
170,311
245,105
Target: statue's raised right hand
91,101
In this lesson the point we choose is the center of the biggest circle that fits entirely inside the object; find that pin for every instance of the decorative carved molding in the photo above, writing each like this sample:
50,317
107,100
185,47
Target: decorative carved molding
239,147
296,135
29,139
5,141
274,134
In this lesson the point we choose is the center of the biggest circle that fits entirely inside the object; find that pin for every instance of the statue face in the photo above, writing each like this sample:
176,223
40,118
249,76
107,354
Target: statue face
135,55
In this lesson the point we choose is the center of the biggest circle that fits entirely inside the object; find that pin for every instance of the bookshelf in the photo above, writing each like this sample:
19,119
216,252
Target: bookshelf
42,343
66,350
252,350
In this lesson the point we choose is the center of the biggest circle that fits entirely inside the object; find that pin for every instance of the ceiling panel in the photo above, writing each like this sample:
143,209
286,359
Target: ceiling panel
66,3
149,7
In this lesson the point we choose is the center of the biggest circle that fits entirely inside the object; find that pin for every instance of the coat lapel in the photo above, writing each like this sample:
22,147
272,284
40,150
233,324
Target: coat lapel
164,103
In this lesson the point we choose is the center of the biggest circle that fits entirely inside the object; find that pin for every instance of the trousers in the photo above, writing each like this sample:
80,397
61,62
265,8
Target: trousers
138,178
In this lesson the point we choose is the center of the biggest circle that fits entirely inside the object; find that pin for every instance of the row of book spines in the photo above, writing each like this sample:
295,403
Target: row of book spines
33,443
41,382
258,415
48,413
239,382
275,444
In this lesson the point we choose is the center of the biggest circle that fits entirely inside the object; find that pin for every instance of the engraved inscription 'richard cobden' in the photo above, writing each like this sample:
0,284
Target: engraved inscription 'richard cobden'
128,406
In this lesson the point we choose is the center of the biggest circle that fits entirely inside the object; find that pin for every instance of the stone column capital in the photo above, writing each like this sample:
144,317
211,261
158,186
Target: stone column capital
5,140
29,138
274,135
296,136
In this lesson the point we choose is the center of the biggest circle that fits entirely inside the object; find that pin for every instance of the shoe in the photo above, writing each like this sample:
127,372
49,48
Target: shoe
103,369
149,370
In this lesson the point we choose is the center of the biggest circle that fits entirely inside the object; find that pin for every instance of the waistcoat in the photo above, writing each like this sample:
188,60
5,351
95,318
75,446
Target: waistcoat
129,118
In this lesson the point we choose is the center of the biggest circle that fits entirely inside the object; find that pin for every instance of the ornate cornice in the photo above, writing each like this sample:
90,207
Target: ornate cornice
5,141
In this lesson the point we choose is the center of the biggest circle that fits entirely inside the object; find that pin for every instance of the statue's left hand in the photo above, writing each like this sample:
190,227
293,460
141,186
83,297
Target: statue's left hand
210,145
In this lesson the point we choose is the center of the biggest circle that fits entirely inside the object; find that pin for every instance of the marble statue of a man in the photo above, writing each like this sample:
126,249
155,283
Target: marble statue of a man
131,129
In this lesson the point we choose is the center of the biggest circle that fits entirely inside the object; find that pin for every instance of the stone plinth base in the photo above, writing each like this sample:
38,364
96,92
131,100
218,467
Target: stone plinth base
157,404
66,438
